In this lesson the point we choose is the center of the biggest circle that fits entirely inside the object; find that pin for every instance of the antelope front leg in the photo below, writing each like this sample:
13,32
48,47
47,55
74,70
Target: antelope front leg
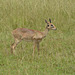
38,47
34,45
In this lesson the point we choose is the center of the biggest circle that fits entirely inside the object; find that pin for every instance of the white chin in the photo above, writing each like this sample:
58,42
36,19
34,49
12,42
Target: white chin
54,29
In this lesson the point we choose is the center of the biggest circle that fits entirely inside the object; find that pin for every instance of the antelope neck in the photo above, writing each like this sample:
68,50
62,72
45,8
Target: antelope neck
45,32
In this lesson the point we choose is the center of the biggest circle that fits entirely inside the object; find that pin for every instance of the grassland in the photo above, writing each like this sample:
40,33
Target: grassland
57,50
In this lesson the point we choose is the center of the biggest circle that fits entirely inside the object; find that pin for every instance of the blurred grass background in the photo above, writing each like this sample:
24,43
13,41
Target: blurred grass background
57,50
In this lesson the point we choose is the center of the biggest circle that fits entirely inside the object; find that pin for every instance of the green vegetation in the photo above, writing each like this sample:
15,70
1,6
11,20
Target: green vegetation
57,50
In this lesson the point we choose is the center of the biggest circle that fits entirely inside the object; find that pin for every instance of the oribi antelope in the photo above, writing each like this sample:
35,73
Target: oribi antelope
31,35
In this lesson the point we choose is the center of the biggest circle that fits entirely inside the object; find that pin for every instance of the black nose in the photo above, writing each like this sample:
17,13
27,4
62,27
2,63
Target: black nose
55,29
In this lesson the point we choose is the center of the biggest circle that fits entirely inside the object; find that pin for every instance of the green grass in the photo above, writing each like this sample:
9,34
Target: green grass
57,50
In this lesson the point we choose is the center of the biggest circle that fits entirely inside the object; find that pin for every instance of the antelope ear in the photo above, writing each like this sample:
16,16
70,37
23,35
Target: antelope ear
50,20
46,21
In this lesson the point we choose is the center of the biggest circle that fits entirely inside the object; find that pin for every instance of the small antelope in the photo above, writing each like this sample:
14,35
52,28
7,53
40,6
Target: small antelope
31,35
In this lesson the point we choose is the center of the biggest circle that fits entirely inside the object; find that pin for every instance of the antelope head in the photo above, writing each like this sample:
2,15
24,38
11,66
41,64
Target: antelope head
50,26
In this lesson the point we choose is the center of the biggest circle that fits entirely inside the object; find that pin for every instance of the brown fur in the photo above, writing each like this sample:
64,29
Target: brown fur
30,35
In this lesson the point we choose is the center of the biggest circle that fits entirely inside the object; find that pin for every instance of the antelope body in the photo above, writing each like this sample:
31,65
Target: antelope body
30,35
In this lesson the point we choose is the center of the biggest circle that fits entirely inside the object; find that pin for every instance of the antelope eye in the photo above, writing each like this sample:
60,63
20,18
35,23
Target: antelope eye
48,25
51,25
